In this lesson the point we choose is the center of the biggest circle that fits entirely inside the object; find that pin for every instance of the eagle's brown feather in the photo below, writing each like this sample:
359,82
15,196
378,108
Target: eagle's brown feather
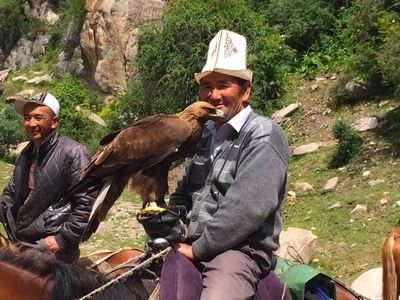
143,153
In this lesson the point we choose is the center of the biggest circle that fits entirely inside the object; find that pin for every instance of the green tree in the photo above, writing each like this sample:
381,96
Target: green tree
13,23
11,129
302,22
170,53
72,92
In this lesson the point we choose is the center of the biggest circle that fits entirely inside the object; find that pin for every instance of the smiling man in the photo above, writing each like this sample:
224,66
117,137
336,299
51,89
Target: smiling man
233,188
34,210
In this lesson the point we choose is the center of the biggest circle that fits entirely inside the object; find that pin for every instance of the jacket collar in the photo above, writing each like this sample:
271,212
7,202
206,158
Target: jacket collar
47,144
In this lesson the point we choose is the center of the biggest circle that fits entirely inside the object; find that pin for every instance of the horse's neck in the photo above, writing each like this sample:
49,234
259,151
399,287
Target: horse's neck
20,284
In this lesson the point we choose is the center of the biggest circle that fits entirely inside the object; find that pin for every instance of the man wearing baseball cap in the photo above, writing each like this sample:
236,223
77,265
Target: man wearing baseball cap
34,210
233,189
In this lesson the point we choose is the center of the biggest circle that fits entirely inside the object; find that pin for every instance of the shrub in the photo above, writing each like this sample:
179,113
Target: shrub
338,95
13,23
349,142
72,92
302,22
11,130
366,39
388,56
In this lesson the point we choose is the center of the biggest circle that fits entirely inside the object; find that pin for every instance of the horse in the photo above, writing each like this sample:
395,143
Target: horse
105,260
391,266
115,263
345,293
97,265
35,274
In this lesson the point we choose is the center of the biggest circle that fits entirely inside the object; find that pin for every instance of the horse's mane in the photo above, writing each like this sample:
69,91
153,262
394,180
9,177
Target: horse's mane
69,281
37,261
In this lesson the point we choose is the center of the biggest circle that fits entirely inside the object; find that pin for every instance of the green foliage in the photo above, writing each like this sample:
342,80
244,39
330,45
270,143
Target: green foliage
13,23
168,56
366,39
333,49
72,92
388,56
390,130
11,129
71,17
349,140
38,26
302,22
338,94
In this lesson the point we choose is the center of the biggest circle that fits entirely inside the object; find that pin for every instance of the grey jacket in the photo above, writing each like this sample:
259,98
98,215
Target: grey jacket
60,161
236,200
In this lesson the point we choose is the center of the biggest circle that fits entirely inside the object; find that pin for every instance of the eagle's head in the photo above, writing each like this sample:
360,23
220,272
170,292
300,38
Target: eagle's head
203,111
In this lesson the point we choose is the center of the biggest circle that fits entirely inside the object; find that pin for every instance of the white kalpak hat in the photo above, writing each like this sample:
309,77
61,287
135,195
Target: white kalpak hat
227,54
42,99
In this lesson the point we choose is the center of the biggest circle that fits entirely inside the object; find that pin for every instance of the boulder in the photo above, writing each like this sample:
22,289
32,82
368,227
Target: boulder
296,244
369,284
365,124
281,115
359,89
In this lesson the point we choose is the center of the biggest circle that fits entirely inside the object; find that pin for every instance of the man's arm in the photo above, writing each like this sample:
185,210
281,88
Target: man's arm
8,196
82,202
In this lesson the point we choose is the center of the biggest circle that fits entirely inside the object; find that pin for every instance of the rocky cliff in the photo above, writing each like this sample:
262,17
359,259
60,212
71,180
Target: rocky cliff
102,52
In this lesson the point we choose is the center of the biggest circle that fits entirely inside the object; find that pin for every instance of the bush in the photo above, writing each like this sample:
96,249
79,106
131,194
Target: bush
13,23
302,22
168,56
388,56
11,130
72,92
338,95
349,142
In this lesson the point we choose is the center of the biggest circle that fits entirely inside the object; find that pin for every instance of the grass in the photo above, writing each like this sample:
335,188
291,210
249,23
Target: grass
347,244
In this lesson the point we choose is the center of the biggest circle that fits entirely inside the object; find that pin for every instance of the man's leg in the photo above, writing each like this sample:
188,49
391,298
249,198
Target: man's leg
180,280
231,275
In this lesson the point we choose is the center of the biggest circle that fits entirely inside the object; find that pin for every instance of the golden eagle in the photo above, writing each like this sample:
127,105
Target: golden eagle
143,153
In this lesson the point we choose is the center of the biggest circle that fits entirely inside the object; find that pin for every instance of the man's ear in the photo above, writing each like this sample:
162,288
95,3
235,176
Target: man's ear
55,122
246,90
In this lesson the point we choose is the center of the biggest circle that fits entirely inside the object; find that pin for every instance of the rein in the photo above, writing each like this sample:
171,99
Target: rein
126,274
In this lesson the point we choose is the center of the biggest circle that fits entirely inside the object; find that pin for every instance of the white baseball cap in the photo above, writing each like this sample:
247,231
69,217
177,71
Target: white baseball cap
227,54
40,98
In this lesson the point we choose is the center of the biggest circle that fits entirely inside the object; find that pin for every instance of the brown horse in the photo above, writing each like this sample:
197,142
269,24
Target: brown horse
391,266
345,293
36,275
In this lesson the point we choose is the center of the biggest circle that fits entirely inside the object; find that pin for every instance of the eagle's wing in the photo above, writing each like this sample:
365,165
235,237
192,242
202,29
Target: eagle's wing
139,146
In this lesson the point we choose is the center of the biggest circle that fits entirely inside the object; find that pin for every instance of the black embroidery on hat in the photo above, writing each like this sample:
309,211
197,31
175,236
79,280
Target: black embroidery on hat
38,97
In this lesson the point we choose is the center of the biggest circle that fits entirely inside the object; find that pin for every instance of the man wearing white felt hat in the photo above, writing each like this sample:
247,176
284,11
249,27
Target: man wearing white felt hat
34,210
233,188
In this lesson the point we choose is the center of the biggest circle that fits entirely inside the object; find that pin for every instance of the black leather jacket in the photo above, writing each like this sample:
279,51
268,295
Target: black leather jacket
60,161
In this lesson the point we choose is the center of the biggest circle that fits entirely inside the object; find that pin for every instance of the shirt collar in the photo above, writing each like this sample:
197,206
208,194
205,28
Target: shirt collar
236,122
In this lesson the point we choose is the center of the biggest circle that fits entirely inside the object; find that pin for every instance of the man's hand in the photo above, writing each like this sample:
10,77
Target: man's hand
51,243
185,250
163,224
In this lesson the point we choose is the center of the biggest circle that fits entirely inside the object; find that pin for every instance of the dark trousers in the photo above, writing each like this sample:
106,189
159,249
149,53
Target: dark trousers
181,280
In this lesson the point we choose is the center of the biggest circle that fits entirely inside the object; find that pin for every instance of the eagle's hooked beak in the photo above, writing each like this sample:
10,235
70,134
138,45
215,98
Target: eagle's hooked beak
219,114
